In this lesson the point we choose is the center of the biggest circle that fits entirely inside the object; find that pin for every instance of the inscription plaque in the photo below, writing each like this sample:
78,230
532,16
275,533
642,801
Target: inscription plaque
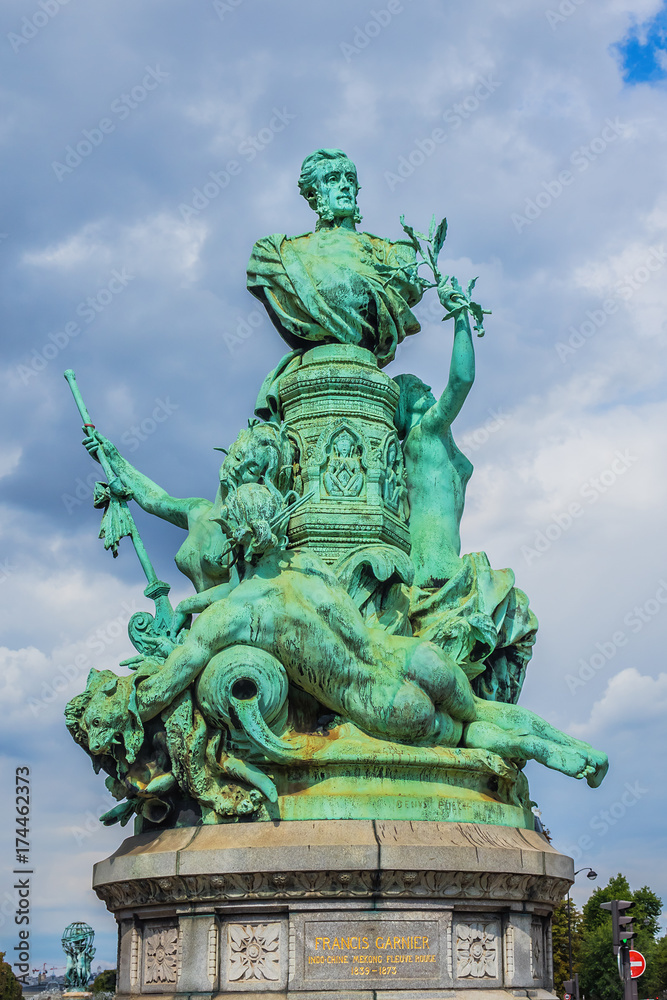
406,950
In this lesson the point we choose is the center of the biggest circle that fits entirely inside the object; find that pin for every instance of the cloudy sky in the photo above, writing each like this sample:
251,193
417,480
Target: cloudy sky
146,147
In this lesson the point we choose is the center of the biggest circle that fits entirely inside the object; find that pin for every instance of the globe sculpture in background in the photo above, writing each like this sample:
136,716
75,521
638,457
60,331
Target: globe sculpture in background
77,942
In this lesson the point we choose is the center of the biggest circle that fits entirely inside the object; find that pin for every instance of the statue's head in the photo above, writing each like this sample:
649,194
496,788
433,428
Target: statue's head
329,184
250,516
344,444
105,718
415,399
262,453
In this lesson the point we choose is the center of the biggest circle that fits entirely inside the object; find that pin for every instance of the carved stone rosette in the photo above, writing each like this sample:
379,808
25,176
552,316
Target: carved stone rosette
343,907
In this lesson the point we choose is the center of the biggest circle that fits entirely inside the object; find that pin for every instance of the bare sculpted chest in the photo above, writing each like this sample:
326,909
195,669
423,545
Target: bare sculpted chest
200,557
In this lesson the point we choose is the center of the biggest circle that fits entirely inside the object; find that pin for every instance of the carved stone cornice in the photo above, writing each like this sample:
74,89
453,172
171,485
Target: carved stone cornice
359,884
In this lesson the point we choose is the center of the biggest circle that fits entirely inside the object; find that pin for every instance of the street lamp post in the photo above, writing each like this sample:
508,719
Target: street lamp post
591,875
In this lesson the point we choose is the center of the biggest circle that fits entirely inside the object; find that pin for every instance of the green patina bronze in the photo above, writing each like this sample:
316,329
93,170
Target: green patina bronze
345,661
77,942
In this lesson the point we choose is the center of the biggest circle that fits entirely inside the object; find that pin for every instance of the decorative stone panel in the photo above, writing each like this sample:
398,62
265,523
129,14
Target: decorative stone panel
254,955
160,964
355,950
477,946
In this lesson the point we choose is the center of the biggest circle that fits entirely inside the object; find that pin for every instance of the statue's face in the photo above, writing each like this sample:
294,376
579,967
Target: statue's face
248,460
104,722
424,402
344,445
337,187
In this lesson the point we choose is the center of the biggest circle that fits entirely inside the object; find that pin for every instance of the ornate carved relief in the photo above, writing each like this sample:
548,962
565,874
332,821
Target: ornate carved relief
254,953
343,474
392,476
477,949
313,885
160,954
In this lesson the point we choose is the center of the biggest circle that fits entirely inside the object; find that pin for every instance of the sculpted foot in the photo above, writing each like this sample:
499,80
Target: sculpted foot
596,768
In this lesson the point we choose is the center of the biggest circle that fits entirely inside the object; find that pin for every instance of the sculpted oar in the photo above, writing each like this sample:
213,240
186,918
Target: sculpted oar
117,522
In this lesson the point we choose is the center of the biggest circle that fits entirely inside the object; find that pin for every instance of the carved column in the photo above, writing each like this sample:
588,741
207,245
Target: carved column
200,944
519,932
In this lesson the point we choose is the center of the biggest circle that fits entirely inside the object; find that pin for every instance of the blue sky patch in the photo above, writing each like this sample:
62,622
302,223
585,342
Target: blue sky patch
643,51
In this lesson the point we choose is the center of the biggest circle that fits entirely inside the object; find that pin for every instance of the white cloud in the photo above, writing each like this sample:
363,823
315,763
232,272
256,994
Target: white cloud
157,245
68,254
632,701
10,456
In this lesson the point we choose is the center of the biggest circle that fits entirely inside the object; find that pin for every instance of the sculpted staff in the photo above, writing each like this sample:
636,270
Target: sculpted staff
260,453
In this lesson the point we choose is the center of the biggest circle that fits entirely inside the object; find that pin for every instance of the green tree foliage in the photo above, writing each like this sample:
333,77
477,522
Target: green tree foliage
105,982
560,943
10,987
617,888
654,981
647,910
597,964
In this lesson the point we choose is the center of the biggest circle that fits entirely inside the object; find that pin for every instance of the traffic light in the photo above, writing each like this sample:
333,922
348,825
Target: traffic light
571,989
622,929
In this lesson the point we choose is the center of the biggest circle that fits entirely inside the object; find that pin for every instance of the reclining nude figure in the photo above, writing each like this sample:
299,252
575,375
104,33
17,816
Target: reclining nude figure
398,688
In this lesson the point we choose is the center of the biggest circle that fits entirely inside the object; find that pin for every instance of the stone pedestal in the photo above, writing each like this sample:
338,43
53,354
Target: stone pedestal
340,410
374,910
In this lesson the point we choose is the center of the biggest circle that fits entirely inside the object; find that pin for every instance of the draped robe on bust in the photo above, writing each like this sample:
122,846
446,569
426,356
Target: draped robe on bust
337,286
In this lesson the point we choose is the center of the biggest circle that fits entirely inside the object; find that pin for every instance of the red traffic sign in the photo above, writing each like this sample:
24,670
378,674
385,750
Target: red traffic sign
637,964
567,996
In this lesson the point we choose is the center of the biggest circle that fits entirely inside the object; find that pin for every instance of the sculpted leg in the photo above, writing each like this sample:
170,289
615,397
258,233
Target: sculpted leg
402,711
217,627
514,732
413,693
442,680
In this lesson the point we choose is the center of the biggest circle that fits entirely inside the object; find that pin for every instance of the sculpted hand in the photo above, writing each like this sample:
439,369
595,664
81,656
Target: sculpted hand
182,618
452,298
459,303
93,441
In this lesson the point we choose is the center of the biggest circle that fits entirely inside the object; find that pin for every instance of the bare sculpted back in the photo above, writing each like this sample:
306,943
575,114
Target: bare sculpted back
437,476
437,472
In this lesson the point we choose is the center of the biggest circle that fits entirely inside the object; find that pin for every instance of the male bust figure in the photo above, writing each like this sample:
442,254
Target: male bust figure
336,285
